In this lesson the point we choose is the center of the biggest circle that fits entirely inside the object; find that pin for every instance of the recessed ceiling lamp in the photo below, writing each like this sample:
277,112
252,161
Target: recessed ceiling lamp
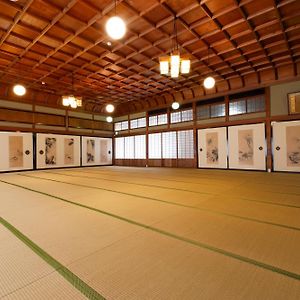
115,26
175,105
19,89
209,82
109,108
174,64
109,119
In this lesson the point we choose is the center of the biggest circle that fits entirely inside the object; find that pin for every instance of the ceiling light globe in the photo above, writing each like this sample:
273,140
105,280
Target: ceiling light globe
175,105
109,108
115,28
209,82
109,119
19,90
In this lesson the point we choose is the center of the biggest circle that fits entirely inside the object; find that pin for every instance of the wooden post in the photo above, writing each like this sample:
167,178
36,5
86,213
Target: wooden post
268,128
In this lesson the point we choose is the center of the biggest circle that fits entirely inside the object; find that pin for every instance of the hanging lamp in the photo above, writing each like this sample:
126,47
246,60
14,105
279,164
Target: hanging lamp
209,82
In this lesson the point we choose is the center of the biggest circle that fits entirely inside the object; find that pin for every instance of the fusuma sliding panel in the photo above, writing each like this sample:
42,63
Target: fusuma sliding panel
212,148
16,151
56,151
96,151
286,146
247,147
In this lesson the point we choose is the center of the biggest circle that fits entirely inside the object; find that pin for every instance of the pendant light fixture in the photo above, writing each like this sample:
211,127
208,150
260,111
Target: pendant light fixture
174,64
109,119
71,100
109,108
19,89
175,105
115,26
209,82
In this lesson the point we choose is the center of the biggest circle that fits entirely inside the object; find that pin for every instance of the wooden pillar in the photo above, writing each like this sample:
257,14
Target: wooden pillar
268,128
195,133
226,108
147,139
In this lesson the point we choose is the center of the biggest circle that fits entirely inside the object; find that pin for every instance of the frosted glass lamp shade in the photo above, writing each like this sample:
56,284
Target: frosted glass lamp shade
115,27
19,90
209,82
175,105
109,108
185,66
109,119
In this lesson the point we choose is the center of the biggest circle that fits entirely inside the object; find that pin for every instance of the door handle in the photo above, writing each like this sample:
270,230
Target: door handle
41,152
27,152
201,149
277,148
260,148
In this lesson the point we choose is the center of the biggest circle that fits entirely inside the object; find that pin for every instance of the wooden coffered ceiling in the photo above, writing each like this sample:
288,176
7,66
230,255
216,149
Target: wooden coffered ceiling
241,43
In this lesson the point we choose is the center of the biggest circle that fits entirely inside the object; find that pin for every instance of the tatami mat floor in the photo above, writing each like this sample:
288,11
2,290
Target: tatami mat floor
152,233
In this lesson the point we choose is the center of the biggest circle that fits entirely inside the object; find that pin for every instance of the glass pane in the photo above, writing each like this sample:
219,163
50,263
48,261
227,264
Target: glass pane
256,104
154,145
118,126
153,121
141,122
187,115
175,117
169,144
140,147
162,119
203,112
237,107
217,110
124,125
133,123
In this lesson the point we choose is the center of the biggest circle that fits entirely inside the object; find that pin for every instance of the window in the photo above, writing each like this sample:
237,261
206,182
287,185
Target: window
247,105
154,145
182,116
119,148
121,126
140,147
137,123
169,144
176,117
237,107
129,147
203,112
217,110
185,141
158,120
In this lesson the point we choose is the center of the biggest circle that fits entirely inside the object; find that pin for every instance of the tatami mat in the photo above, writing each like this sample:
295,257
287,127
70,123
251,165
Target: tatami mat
155,233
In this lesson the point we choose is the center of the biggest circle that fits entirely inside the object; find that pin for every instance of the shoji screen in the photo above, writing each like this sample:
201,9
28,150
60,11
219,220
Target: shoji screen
140,147
120,148
185,142
154,145
129,147
169,144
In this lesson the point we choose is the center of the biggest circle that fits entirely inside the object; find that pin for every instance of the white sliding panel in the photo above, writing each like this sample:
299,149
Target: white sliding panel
212,148
154,145
96,151
185,142
120,148
169,144
16,151
140,147
247,147
129,147
286,146
55,151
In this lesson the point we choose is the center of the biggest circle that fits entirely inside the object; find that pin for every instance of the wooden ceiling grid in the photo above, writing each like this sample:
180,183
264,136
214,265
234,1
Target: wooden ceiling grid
233,40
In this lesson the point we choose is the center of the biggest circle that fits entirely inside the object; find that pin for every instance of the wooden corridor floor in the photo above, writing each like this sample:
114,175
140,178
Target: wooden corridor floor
149,233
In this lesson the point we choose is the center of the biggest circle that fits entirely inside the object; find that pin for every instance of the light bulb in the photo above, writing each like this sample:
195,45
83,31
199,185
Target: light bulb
109,119
109,108
19,90
65,101
164,65
115,28
175,105
185,66
209,82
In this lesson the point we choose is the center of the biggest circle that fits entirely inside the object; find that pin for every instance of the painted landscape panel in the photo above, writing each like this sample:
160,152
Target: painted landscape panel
293,146
15,151
212,148
69,151
50,151
245,147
